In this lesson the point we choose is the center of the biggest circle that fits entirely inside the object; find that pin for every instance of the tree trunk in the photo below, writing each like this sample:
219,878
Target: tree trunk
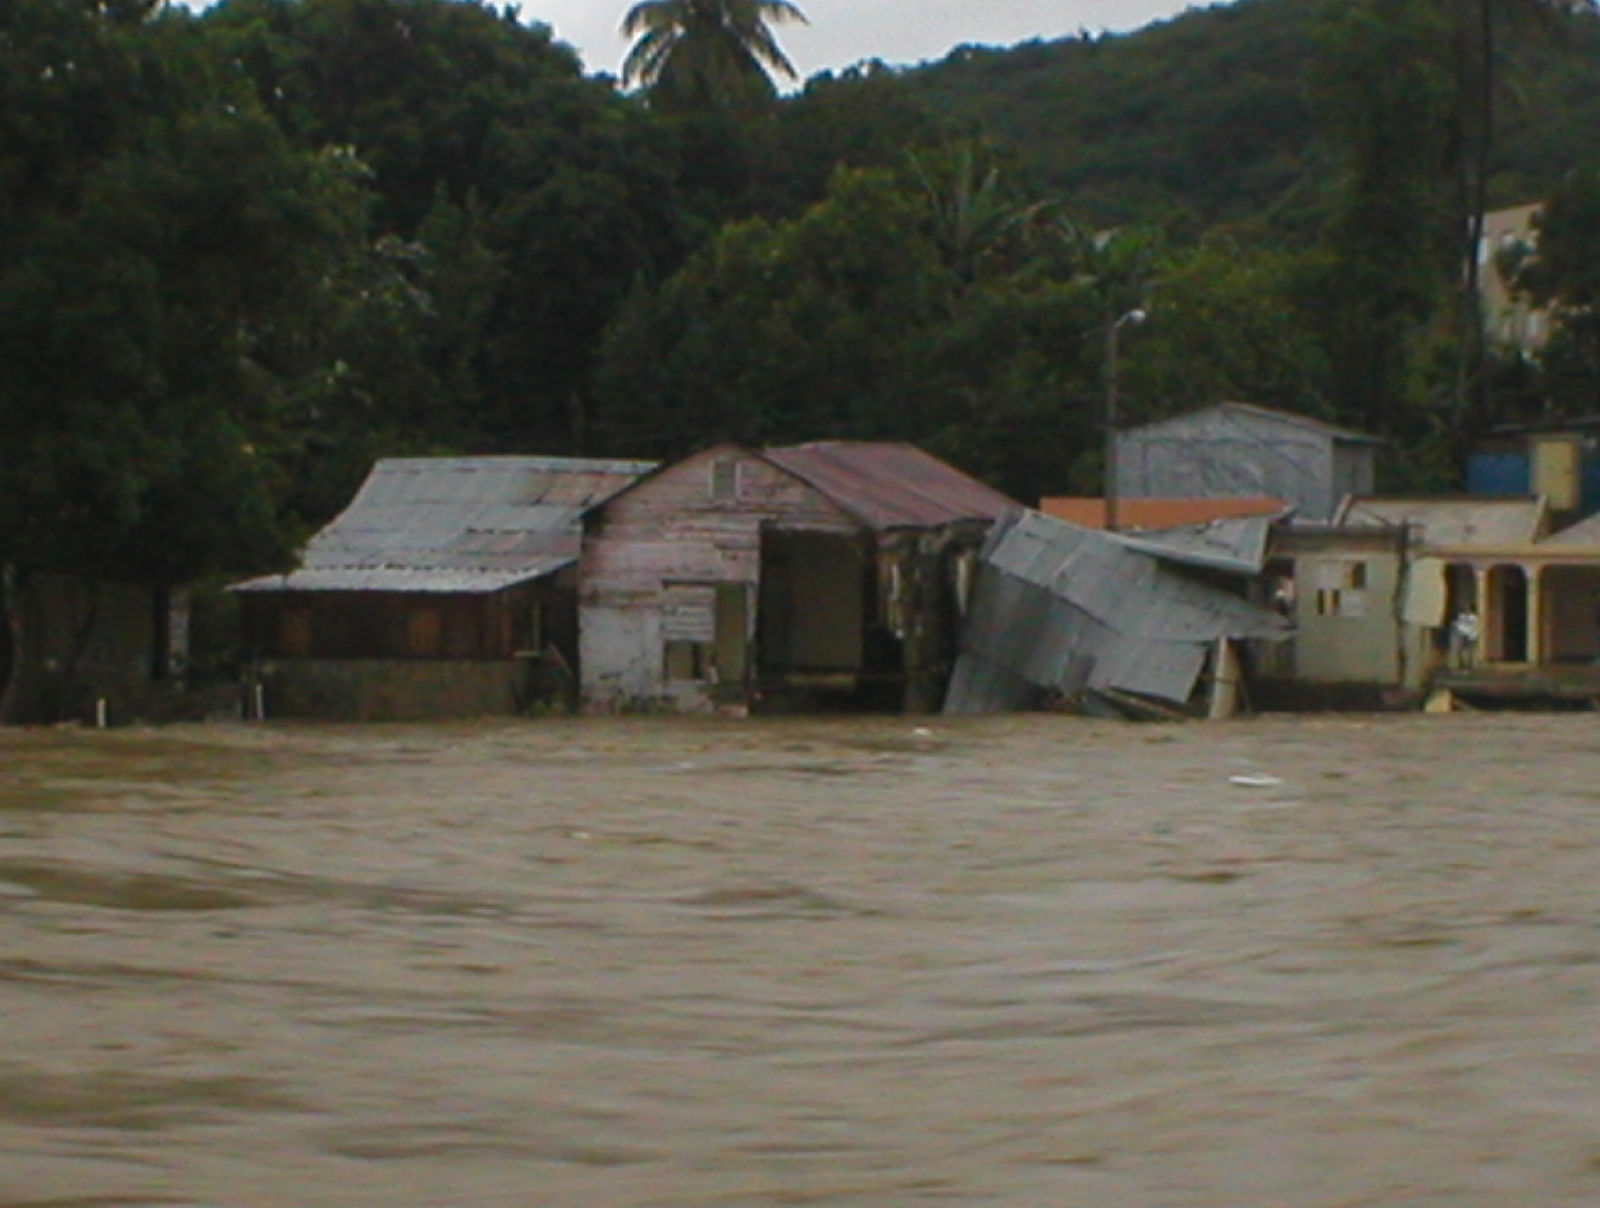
85,633
1475,111
13,596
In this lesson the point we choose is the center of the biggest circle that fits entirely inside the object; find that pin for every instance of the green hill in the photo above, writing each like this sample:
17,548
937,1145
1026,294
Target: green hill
1206,118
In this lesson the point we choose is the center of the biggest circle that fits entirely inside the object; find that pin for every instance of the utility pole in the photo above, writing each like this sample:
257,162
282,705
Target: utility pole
1134,317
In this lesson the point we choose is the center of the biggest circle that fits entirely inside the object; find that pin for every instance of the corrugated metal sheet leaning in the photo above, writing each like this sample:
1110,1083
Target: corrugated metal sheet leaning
455,524
1234,545
1059,609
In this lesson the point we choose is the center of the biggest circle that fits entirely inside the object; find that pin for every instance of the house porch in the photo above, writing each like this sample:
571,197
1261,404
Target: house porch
1539,621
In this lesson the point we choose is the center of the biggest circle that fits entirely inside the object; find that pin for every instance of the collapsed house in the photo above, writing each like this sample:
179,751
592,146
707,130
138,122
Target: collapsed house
448,587
1110,623
827,574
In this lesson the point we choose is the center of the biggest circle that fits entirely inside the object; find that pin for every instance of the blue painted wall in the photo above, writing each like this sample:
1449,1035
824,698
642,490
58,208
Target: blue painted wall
1499,474
1512,474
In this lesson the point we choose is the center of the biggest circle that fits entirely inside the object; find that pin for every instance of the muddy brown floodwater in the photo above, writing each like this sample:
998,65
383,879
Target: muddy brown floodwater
1018,961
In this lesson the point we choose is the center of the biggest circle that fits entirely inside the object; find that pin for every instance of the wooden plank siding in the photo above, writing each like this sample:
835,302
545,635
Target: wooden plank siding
698,522
413,625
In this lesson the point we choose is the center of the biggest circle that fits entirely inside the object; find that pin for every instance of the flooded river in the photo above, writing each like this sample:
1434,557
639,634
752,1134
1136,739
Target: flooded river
1021,961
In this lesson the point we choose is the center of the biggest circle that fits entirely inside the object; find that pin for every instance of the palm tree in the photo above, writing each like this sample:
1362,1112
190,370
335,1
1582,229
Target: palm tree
704,53
973,217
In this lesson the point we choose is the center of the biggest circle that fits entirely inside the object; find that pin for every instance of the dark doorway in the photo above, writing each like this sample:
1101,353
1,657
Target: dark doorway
819,642
1511,590
811,606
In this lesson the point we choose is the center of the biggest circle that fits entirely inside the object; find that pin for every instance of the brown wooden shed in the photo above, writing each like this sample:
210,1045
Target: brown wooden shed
447,587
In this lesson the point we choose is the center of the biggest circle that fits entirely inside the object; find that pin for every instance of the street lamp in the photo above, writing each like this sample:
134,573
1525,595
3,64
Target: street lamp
1134,317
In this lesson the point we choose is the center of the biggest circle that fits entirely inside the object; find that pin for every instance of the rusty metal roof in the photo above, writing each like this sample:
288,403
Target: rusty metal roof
889,485
1236,544
1158,513
456,524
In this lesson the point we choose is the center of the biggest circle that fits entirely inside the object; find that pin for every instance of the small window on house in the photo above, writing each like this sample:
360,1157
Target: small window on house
725,478
1342,589
688,660
294,632
688,630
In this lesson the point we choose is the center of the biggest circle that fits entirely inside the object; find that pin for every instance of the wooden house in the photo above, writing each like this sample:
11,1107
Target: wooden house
828,573
447,588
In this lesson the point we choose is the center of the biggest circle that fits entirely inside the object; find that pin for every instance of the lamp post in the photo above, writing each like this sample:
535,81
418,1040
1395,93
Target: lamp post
1135,317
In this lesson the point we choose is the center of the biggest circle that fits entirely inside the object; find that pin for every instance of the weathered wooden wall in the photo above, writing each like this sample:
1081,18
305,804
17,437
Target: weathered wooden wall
413,625
693,523
378,689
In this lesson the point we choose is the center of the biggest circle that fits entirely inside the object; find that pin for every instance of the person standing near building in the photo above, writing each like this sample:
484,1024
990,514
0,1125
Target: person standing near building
1464,634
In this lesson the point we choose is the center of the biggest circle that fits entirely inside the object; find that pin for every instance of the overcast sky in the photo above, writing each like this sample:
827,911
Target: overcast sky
843,32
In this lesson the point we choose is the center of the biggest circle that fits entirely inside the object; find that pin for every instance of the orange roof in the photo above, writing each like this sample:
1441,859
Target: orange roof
1090,511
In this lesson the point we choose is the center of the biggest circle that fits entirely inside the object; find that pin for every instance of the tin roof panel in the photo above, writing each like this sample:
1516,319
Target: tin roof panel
456,524
891,485
1064,608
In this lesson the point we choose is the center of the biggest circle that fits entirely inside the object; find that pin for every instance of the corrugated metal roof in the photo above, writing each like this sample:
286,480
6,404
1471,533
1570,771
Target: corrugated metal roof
456,524
1236,545
891,485
1311,423
1248,411
1064,608
1452,523
1150,513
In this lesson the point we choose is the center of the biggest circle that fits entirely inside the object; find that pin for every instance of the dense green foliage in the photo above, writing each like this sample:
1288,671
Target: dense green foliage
242,254
528,198
167,261
1205,118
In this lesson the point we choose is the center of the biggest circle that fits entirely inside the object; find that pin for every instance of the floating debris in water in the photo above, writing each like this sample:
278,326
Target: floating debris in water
1255,781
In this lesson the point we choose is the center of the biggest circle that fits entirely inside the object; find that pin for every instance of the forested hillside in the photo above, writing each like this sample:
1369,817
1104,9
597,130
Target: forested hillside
1212,117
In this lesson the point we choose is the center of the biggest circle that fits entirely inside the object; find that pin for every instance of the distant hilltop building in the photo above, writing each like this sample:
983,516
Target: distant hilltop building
1510,238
